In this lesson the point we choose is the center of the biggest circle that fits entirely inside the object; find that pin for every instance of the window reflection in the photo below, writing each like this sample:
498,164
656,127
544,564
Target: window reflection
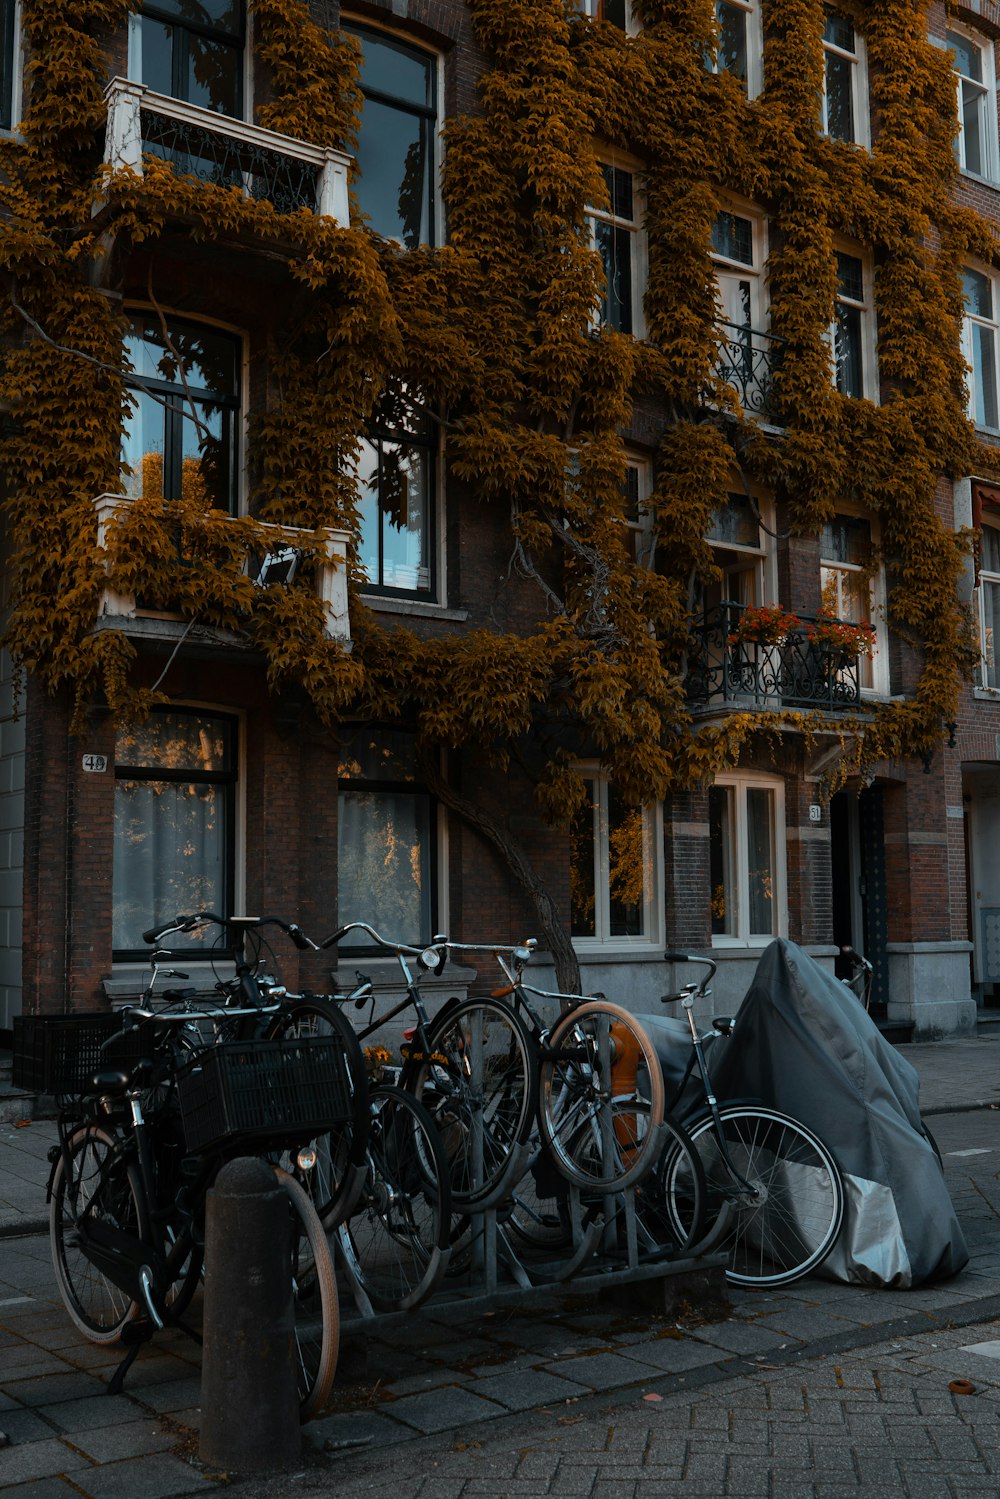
395,155
179,436
610,866
193,50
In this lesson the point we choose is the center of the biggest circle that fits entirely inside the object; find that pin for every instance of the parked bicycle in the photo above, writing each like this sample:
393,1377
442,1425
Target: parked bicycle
861,976
776,1179
145,1125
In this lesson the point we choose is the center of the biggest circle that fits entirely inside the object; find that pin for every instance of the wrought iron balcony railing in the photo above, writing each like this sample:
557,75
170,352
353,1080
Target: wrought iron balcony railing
797,671
746,360
277,565
214,148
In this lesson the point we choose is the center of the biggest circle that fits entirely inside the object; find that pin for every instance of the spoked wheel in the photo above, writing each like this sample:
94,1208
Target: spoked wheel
678,1227
315,1308
479,1085
100,1185
336,1179
395,1242
600,1097
781,1184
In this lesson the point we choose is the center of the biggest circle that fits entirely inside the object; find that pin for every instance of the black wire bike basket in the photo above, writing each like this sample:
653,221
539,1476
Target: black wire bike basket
59,1054
264,1092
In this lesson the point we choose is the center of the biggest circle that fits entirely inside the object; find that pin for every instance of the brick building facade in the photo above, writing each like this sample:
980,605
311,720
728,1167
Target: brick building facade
236,795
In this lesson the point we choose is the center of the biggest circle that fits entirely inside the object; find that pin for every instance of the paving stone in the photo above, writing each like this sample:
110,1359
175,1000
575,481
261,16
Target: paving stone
43,1459
527,1389
598,1371
156,1477
440,1410
42,1488
22,1425
49,1389
107,1444
91,1411
364,1427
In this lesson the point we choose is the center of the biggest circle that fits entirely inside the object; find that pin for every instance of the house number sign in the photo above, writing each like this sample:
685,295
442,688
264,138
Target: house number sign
96,763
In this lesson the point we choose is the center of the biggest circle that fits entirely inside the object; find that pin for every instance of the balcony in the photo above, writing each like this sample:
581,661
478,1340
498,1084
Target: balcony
798,671
746,361
214,148
275,567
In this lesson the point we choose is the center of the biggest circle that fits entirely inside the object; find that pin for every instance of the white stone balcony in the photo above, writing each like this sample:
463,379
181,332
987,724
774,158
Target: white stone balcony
214,148
275,568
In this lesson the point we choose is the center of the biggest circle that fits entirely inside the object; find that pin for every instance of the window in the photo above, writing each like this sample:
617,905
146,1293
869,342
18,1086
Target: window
738,49
9,58
989,603
738,551
746,858
745,351
975,82
851,587
386,839
180,436
851,331
613,872
397,143
396,486
192,51
981,345
637,487
844,106
174,830
616,235
615,12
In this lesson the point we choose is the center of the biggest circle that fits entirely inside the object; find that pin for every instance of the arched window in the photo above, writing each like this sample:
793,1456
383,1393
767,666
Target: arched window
396,154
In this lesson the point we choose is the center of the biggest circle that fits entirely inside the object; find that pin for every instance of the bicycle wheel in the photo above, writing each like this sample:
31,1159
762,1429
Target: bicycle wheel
479,1084
99,1182
678,1227
315,1307
394,1243
600,1097
336,1179
782,1184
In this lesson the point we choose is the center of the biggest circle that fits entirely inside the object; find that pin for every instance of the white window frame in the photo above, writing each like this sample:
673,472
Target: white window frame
987,88
730,275
858,60
377,593
741,782
652,838
970,322
873,674
866,308
989,654
753,43
639,477
636,232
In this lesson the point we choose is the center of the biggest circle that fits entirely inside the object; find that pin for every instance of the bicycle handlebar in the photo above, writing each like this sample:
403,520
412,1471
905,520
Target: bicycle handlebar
205,918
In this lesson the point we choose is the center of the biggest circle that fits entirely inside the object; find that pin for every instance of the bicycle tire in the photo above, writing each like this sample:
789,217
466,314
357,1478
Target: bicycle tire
479,1084
336,1179
315,1307
589,1120
395,1243
109,1189
680,1228
787,1221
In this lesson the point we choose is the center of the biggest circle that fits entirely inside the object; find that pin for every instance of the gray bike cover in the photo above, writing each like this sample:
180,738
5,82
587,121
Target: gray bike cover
804,1044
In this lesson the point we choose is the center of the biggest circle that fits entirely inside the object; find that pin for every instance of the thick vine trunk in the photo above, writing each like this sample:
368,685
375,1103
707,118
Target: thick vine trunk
552,929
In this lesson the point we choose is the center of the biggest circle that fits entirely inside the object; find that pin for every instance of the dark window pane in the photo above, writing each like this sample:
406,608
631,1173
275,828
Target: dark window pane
177,741
582,875
613,11
968,59
615,248
732,52
761,857
213,75
384,863
847,350
395,161
838,31
397,71
732,237
626,868
213,15
157,56
6,63
721,834
847,538
839,98
851,277
203,67
735,523
619,186
395,486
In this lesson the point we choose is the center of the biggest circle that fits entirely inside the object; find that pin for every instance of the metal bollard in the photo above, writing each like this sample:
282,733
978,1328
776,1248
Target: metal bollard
249,1403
